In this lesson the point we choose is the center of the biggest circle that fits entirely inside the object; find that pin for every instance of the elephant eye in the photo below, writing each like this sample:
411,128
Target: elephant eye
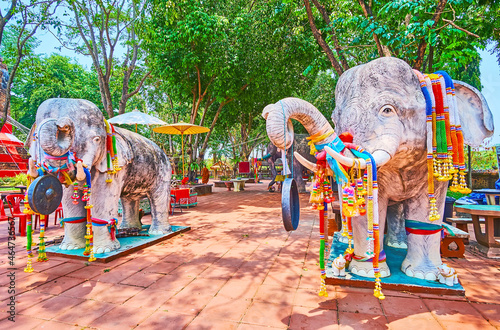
97,139
387,110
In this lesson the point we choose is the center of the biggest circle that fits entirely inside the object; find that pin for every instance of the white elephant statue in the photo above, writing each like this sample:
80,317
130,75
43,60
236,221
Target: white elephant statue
338,266
71,135
447,275
382,106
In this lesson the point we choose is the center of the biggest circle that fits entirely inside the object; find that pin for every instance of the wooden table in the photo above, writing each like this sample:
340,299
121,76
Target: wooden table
239,184
489,241
184,197
22,188
4,194
490,195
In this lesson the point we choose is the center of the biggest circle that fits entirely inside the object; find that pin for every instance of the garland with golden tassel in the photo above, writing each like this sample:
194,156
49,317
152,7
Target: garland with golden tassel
457,158
29,233
321,195
445,159
111,152
373,235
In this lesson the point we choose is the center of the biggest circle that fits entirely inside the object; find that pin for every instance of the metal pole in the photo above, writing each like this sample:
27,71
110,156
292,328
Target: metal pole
182,146
469,174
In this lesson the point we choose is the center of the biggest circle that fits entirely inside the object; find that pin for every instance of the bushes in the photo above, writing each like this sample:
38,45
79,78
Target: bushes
18,180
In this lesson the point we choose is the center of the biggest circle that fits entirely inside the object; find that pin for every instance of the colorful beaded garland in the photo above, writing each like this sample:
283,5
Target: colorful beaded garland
445,160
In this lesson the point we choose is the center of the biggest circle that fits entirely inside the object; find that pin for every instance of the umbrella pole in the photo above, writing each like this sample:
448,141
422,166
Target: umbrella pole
136,128
182,147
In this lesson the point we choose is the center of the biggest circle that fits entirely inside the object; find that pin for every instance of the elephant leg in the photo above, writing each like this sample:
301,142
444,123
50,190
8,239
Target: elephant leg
74,236
74,233
423,256
160,205
359,226
105,198
130,217
396,233
103,242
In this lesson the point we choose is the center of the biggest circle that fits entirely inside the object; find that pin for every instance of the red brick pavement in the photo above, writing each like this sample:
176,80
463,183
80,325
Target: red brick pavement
236,269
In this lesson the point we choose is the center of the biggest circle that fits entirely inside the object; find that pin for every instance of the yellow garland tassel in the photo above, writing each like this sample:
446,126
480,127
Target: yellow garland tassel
316,138
42,256
29,233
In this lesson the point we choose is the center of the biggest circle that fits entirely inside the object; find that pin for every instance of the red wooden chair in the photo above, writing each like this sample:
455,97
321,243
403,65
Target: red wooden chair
58,213
4,217
14,202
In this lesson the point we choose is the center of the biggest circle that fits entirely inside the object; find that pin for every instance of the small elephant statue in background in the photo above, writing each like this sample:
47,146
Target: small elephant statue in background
339,266
76,128
381,105
447,275
300,145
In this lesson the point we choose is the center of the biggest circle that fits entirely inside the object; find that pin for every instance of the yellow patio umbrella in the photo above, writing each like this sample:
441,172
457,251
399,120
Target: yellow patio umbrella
181,129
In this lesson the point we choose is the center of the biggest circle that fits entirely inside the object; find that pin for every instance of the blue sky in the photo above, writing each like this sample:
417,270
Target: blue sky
490,79
490,76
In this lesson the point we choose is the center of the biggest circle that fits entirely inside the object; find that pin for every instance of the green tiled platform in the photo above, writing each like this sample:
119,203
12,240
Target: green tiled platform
397,281
127,245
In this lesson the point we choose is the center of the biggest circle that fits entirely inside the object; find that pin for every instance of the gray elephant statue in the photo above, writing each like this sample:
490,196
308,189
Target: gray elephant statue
381,104
74,128
300,145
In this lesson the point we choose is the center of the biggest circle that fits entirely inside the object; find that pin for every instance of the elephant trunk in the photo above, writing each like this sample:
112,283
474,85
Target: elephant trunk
279,113
56,135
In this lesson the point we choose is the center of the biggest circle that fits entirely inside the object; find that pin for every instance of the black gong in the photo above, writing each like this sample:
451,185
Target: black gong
45,194
290,205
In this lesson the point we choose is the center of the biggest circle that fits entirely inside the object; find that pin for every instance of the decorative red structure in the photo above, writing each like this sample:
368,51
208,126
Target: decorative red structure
13,156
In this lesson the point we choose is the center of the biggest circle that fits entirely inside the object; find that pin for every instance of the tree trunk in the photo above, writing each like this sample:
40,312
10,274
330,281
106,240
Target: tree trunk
319,39
423,43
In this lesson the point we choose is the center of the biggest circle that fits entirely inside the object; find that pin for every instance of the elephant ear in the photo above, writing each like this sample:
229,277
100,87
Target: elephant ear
124,153
475,115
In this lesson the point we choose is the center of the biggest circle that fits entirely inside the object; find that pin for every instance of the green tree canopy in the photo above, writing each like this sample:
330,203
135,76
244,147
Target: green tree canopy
43,78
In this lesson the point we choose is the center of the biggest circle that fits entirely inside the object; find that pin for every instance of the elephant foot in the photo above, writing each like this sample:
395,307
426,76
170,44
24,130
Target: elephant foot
365,268
127,225
74,236
343,239
397,245
103,242
66,244
160,229
424,271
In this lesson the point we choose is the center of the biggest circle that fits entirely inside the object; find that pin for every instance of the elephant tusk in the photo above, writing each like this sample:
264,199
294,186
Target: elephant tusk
347,161
311,166
381,157
32,169
80,173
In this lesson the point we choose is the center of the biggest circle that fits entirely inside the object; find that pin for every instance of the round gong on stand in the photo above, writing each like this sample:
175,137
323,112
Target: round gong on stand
290,205
45,194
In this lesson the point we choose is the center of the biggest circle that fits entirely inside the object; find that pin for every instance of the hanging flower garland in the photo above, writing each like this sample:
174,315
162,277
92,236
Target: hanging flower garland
445,145
433,214
373,233
29,232
111,152
457,148
321,195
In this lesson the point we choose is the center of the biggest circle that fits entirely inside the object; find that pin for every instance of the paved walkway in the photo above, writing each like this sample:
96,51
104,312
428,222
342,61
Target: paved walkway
236,269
